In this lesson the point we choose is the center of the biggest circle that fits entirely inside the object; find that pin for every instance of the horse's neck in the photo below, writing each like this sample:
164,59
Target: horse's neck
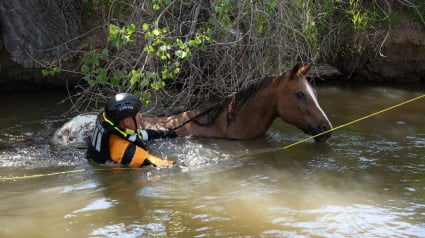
256,115
251,120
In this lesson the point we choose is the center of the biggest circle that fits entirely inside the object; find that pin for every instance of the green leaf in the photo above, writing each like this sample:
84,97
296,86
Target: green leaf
57,69
198,40
181,54
156,32
146,99
145,27
176,70
187,51
45,72
158,85
144,83
89,80
135,75
118,74
180,44
165,74
164,47
191,43
113,35
104,53
149,36
85,60
150,75
113,29
115,82
149,48
131,29
87,77
85,69
129,36
92,83
102,77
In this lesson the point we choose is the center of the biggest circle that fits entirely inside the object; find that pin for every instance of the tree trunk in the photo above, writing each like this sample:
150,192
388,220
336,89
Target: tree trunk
35,31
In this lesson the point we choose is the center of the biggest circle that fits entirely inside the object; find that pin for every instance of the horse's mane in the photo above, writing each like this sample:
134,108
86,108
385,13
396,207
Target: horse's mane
234,102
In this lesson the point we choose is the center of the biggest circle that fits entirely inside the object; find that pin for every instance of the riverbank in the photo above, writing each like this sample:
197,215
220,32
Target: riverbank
390,48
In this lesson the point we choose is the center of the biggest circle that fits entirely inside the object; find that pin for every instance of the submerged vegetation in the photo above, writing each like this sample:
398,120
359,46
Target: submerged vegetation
177,54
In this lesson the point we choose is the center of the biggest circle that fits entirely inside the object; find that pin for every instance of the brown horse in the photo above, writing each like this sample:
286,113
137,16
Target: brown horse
250,112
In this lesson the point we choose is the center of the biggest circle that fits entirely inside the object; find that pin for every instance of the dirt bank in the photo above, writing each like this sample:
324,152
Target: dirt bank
393,54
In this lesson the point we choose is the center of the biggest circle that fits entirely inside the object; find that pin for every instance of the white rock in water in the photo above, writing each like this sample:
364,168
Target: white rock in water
76,131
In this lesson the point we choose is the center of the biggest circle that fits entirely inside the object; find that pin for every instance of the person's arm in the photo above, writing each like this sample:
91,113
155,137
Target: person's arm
149,134
124,152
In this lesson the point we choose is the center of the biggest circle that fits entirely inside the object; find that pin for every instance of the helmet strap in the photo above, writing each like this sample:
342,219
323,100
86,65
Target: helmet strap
130,131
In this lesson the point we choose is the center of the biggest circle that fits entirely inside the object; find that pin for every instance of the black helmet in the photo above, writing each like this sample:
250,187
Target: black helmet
122,105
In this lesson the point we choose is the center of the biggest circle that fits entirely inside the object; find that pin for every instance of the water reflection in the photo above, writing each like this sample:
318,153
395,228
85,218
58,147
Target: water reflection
344,221
366,181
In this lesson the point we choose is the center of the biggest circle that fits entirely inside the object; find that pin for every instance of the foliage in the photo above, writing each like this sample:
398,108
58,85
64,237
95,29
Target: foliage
177,54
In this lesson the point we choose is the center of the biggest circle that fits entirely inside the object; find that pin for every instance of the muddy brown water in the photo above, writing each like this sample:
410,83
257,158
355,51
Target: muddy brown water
368,180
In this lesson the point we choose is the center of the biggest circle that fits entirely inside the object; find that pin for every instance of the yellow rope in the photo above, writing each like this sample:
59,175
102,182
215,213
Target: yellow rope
265,151
63,172
41,175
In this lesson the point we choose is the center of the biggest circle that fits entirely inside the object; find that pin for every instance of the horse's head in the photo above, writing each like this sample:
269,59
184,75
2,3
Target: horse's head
297,103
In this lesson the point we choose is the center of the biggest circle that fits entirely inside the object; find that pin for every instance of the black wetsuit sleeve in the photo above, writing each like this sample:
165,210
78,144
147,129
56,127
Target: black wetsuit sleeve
157,134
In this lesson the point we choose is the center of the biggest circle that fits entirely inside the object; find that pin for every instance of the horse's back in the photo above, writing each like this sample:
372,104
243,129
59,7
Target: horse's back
76,131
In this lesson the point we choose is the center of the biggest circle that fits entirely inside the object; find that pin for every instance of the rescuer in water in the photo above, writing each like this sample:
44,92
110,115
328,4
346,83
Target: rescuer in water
116,136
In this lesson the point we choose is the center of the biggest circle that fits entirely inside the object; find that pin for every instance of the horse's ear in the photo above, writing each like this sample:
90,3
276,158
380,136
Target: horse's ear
304,70
295,70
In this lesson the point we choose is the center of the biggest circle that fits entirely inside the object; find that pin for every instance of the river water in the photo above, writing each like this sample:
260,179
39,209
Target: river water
368,180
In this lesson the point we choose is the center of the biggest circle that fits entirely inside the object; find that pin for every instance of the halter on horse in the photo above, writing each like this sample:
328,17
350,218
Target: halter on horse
250,112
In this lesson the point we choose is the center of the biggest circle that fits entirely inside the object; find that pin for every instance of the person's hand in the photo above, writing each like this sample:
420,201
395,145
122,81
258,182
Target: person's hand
158,162
166,163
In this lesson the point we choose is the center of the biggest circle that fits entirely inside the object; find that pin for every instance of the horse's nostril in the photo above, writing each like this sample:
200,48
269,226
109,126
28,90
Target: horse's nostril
325,136
324,127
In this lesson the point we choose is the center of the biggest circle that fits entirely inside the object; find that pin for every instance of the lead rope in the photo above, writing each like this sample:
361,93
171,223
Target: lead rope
191,119
258,152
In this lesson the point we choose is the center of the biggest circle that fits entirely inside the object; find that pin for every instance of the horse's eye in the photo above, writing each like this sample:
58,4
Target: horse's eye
300,96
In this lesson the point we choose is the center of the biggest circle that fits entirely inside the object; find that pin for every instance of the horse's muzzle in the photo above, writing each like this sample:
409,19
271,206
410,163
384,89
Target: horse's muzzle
320,129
